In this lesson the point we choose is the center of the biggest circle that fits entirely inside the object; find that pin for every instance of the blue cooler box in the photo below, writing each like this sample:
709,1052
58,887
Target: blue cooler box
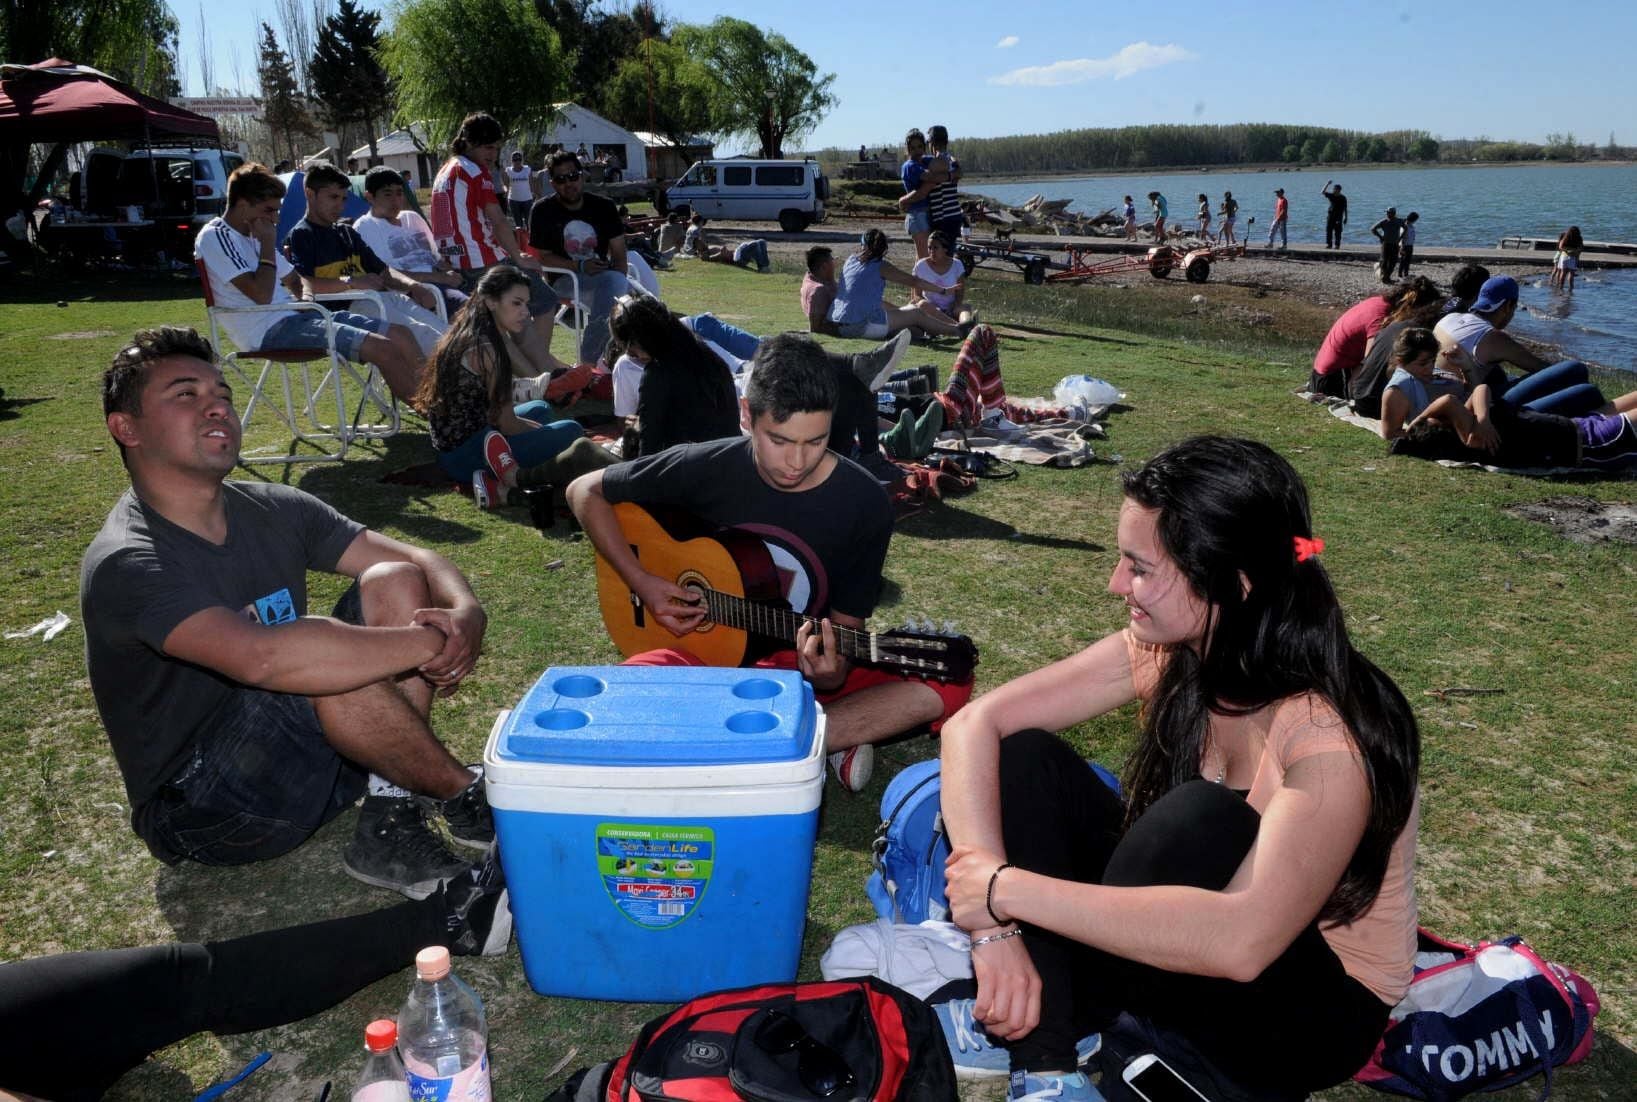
656,827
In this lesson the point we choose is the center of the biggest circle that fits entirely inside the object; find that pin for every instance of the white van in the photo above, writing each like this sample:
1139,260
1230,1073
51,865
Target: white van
791,193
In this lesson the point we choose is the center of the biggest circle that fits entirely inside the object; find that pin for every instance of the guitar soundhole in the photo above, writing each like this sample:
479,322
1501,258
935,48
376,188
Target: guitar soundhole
698,583
751,723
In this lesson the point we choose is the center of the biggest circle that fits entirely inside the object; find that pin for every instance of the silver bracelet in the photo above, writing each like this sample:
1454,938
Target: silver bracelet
1015,931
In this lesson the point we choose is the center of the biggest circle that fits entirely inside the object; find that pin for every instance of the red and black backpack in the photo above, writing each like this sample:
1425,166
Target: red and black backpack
856,1040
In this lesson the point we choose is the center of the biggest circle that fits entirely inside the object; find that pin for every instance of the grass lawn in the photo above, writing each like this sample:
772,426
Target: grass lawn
1528,795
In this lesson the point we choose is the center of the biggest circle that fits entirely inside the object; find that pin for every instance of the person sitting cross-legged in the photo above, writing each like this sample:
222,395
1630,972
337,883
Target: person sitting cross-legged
246,269
240,723
331,257
825,520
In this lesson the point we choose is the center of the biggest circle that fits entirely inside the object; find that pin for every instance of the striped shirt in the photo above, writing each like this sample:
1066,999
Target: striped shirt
228,254
459,195
945,204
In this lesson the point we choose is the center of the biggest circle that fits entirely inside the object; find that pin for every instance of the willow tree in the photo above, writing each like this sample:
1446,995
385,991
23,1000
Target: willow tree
449,58
765,86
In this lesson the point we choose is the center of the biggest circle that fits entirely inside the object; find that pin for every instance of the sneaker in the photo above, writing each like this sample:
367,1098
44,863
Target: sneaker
487,491
976,1055
498,455
853,766
392,847
467,815
1073,1087
478,912
530,388
876,367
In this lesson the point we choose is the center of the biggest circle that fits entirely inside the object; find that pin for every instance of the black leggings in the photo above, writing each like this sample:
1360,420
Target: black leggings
1059,820
75,1022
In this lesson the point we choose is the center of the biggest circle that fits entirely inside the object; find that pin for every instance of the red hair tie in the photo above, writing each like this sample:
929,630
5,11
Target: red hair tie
1308,548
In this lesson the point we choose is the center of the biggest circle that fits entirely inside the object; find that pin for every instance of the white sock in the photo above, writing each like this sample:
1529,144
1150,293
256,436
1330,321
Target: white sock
380,786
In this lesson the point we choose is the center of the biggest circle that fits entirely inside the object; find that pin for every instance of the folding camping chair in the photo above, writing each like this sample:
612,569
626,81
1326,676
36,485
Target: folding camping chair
298,386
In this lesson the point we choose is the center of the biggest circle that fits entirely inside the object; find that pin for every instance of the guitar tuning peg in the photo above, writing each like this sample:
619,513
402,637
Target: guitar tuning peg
927,626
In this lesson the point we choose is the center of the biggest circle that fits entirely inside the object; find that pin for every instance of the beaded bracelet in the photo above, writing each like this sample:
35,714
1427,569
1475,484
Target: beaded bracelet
989,896
1015,931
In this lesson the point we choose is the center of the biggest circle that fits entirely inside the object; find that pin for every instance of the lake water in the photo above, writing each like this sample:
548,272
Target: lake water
1458,206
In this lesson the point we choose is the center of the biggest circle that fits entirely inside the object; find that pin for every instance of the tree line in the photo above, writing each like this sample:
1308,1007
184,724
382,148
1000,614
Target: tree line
1179,146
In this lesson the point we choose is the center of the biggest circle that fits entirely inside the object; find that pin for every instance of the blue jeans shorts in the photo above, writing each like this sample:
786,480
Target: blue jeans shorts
261,780
918,221
305,329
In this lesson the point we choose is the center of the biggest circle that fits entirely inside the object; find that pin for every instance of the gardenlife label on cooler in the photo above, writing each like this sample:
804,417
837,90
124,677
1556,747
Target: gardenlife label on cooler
655,874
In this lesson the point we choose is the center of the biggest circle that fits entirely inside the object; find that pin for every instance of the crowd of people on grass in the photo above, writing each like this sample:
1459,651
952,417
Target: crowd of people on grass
1262,856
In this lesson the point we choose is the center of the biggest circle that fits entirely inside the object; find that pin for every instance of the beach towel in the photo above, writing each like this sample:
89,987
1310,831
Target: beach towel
1054,442
974,382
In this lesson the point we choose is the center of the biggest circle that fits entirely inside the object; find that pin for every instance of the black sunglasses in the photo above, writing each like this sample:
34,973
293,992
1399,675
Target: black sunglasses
566,178
819,1067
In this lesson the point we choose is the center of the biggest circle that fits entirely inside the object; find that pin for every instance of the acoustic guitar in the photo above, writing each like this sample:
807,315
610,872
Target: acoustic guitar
745,617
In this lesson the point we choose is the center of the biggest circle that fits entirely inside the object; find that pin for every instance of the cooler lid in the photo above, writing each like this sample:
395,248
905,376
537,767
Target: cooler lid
660,715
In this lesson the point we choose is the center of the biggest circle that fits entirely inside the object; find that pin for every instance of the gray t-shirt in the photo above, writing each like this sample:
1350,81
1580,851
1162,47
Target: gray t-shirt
828,543
143,575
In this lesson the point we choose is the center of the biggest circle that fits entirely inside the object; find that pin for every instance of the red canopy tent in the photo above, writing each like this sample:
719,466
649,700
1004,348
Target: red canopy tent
58,101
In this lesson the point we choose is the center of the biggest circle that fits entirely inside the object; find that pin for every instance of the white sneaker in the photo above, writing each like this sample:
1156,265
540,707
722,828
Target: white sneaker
1074,1087
853,766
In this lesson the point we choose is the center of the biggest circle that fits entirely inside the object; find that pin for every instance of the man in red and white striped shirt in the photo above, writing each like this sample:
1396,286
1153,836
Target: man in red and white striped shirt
474,233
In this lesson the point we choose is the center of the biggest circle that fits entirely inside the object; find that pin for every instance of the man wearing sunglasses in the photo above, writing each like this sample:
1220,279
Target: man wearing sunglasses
572,229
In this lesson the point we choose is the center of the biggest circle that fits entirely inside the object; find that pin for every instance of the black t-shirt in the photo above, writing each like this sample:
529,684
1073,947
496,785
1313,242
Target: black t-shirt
1529,438
828,543
143,575
1338,205
576,234
1367,384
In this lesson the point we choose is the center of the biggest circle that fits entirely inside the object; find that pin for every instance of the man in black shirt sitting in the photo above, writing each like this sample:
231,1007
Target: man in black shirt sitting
584,233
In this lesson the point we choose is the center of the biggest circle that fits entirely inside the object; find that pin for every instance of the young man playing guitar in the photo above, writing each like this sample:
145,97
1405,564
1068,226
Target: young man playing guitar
826,523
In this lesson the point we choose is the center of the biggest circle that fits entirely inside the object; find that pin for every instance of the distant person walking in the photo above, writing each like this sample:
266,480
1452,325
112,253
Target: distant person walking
1129,213
1230,217
519,192
1567,261
1204,216
1281,219
1406,245
1389,231
1157,204
1336,218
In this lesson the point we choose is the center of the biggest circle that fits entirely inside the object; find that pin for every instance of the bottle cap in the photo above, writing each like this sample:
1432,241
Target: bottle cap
432,963
381,1035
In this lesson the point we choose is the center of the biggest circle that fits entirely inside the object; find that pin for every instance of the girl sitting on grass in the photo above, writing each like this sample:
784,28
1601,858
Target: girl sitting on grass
466,390
860,309
1266,856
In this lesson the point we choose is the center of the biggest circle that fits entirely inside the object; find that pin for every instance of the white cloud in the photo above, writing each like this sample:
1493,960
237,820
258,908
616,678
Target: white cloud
1007,43
1129,61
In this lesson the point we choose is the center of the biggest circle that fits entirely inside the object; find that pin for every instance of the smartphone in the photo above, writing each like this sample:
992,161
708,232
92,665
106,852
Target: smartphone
1153,1080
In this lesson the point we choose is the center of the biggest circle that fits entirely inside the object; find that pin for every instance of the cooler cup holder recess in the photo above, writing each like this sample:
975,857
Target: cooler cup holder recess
757,688
568,719
751,723
578,686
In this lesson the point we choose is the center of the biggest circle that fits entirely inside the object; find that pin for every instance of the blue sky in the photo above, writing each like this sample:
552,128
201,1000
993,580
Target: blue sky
1049,65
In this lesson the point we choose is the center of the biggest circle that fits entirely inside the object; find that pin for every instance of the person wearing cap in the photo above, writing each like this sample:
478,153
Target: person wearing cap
1281,217
1388,231
1476,344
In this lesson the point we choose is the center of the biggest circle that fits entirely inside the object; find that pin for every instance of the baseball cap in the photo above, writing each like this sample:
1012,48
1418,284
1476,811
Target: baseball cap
1278,191
1496,292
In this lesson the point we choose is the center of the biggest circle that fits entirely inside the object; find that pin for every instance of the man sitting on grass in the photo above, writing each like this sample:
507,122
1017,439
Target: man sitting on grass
402,238
818,291
826,522
241,724
246,269
332,258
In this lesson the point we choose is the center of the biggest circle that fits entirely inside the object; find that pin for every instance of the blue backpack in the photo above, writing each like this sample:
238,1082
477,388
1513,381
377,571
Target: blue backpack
911,846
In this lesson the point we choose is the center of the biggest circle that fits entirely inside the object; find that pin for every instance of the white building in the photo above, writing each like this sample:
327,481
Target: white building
398,150
577,127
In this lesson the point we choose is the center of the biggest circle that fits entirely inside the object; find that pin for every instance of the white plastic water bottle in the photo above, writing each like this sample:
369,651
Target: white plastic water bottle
442,1034
383,1078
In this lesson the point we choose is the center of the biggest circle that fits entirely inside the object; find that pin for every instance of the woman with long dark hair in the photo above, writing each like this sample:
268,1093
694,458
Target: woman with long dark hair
686,394
1262,867
466,393
860,308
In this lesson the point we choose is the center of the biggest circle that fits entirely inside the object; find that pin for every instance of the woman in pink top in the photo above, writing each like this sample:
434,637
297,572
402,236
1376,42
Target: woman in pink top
1348,341
1261,873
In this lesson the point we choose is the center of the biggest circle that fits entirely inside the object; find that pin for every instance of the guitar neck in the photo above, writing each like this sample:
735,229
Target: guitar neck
780,623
